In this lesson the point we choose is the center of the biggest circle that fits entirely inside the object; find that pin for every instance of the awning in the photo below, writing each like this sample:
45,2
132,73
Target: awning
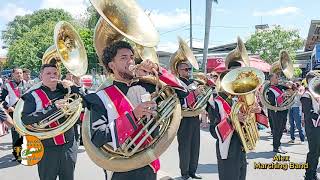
217,64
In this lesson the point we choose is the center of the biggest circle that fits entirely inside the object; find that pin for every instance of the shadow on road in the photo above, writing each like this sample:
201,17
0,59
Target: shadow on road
5,146
265,155
5,162
266,138
81,150
207,168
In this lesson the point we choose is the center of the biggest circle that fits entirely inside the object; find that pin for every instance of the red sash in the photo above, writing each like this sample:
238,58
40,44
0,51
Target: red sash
224,127
225,105
279,97
59,139
122,105
262,119
191,99
14,89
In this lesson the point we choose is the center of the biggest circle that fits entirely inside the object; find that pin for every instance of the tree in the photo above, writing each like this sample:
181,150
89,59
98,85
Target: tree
24,24
29,36
86,35
297,72
268,43
27,51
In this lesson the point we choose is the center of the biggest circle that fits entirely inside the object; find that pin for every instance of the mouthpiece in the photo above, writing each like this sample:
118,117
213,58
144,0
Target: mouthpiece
132,67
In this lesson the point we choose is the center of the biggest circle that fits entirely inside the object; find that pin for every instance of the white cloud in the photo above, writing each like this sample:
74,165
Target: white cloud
9,11
171,46
168,47
165,20
75,7
278,11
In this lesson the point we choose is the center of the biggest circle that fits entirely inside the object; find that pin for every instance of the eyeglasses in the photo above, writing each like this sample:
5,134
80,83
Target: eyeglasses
186,69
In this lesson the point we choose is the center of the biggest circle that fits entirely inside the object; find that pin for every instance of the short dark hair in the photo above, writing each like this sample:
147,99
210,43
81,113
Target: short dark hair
15,68
26,71
270,75
46,66
234,64
111,51
180,63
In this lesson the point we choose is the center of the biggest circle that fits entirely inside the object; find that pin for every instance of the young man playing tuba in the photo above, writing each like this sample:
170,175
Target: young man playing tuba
117,124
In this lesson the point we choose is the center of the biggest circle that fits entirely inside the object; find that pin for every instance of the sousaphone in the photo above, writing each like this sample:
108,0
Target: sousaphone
124,19
284,65
69,50
243,83
185,54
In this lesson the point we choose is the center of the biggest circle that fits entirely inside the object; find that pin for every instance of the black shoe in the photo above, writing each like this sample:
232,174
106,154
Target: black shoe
194,176
185,177
280,151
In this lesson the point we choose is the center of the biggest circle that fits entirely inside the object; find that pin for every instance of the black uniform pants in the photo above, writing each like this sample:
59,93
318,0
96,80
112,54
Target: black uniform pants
279,120
313,135
189,145
144,173
14,134
233,168
58,161
270,120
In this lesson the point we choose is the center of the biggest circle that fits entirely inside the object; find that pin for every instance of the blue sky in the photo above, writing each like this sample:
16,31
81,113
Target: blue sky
231,18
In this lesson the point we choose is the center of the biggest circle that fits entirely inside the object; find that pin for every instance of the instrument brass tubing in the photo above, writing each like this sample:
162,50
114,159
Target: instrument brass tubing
140,133
149,132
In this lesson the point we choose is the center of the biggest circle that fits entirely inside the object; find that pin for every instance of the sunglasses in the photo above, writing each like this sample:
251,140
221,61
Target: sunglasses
186,69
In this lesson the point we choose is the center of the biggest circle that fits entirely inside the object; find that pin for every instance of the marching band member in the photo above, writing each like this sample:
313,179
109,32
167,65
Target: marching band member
279,118
27,78
60,152
232,161
310,118
117,58
11,93
189,131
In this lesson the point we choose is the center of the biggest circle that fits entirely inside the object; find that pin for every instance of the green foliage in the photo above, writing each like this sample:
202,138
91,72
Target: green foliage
297,72
86,35
27,51
268,43
29,36
23,24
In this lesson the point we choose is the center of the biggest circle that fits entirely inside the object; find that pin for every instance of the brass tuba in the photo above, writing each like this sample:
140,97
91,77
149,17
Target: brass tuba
243,82
314,87
184,53
239,53
124,18
69,50
284,65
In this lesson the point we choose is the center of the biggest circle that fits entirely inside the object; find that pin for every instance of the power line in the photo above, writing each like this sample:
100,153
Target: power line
182,28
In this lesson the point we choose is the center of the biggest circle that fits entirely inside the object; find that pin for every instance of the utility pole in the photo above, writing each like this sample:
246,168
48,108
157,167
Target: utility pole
206,34
190,24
